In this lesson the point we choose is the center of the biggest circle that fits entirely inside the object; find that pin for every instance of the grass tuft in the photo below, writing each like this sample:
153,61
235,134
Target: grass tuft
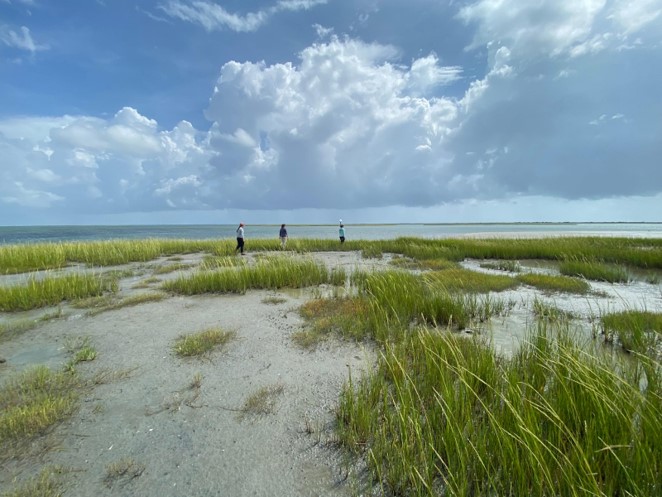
553,283
203,342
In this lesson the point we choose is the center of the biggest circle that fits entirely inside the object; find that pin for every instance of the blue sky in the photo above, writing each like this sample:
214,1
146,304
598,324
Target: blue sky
200,111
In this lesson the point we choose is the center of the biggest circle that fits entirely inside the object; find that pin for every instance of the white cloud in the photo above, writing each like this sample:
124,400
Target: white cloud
212,16
21,39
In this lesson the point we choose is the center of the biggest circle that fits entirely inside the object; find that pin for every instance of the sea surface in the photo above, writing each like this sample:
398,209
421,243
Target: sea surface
40,234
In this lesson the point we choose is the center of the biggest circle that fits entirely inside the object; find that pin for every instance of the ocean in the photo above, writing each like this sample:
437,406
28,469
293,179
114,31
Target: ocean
41,234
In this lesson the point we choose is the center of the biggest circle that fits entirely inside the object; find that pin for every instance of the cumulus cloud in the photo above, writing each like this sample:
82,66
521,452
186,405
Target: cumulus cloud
212,16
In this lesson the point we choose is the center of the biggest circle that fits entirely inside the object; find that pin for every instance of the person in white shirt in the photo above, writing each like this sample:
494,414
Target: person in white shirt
240,238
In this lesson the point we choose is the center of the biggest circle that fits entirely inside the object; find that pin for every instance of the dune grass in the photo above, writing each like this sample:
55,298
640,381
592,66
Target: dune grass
33,401
595,270
555,283
203,342
636,330
50,291
267,273
443,415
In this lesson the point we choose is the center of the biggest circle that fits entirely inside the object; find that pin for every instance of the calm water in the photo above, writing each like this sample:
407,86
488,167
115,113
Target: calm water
32,234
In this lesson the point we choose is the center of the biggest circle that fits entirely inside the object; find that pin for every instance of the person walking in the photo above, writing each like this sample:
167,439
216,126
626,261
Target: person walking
341,233
240,239
283,236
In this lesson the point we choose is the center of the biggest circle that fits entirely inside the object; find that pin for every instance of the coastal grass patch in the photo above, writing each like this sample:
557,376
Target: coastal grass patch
555,283
548,312
33,401
171,268
266,273
122,471
595,271
221,262
203,342
262,401
398,299
345,317
445,415
97,305
13,328
372,252
465,280
81,350
51,291
637,330
46,483
403,262
274,300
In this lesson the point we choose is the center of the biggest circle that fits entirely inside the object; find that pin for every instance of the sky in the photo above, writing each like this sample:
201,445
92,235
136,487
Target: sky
307,111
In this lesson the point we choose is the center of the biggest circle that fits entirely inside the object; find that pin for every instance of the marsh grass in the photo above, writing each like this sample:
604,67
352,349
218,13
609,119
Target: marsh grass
372,252
122,471
221,262
555,283
444,415
97,305
431,264
203,342
267,273
596,271
53,290
262,401
636,330
346,317
45,484
171,268
274,300
510,266
551,313
14,328
33,401
465,280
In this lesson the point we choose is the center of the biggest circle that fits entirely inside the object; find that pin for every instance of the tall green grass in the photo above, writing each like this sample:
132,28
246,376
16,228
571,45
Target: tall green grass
443,415
554,283
636,330
268,273
595,270
53,290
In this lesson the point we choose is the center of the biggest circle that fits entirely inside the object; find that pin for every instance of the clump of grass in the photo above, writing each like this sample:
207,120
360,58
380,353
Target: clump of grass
267,273
262,401
653,279
123,470
550,313
197,344
555,283
33,401
146,283
372,252
221,262
170,268
444,415
97,305
510,266
52,291
454,280
432,264
273,300
636,330
45,484
13,328
596,271
345,317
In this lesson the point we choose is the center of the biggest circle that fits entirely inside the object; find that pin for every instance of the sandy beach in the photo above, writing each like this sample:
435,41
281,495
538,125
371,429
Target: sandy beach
143,406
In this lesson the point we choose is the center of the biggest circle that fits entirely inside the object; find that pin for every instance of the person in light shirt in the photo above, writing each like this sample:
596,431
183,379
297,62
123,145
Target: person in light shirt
240,238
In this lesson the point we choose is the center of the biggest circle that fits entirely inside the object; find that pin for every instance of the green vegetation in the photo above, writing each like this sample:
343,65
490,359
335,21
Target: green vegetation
639,331
267,273
443,415
465,280
274,300
594,270
203,342
13,328
170,268
550,313
52,291
123,470
344,317
33,401
45,484
262,401
553,283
